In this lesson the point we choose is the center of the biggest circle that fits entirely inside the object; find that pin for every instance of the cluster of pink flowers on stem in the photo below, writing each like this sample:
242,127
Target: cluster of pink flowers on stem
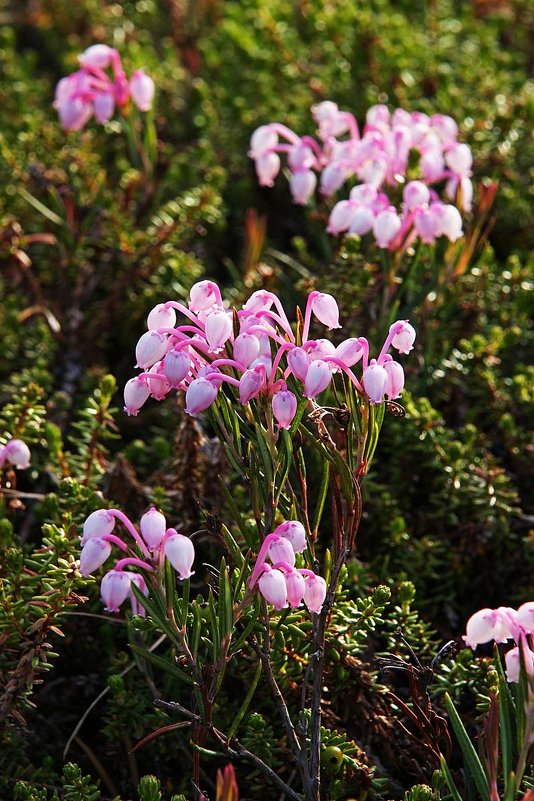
155,542
91,90
379,157
281,583
16,453
256,351
501,625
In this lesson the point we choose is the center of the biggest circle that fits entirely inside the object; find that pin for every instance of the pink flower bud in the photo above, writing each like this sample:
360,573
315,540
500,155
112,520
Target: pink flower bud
284,408
98,524
273,587
246,348
300,158
525,617
204,295
449,221
262,140
114,589
293,531
17,453
404,336
199,396
314,593
432,166
251,383
176,366
445,127
375,381
97,55
395,375
259,300
340,217
295,588
104,106
302,186
426,225
153,526
459,159
93,555
267,168
136,392
142,88
331,121
332,178
416,193
74,113
386,227
159,387
377,115
361,221
150,349
180,552
363,194
350,351
281,550
484,626
318,378
299,362
319,348
218,329
161,316
326,310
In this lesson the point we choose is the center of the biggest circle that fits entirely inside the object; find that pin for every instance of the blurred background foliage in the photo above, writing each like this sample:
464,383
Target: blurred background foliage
89,246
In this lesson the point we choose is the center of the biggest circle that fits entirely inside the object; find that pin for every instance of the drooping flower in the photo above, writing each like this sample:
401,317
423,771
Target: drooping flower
180,552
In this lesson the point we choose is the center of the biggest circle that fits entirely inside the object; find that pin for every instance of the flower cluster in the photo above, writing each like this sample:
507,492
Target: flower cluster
501,625
281,583
91,90
381,156
155,541
256,351
16,453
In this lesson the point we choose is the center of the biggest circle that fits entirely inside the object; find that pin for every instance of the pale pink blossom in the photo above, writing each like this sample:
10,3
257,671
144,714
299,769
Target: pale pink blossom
180,552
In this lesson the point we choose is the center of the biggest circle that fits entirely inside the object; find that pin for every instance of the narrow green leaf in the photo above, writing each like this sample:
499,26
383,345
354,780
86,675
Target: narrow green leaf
450,781
473,763
163,664
246,703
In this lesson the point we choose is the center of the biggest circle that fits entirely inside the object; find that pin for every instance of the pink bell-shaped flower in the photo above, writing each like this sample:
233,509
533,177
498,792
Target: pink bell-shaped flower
17,453
93,555
218,329
326,310
98,524
395,375
281,550
375,381
513,663
404,336
267,168
386,226
180,552
136,392
314,593
302,186
293,530
525,617
246,348
349,351
104,106
272,585
432,166
114,589
426,224
98,56
449,221
295,588
330,120
340,217
484,626
459,159
153,527
161,316
416,193
142,88
159,387
299,362
199,396
203,295
74,113
361,221
150,349
318,378
332,179
251,383
445,126
176,366
263,139
284,408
